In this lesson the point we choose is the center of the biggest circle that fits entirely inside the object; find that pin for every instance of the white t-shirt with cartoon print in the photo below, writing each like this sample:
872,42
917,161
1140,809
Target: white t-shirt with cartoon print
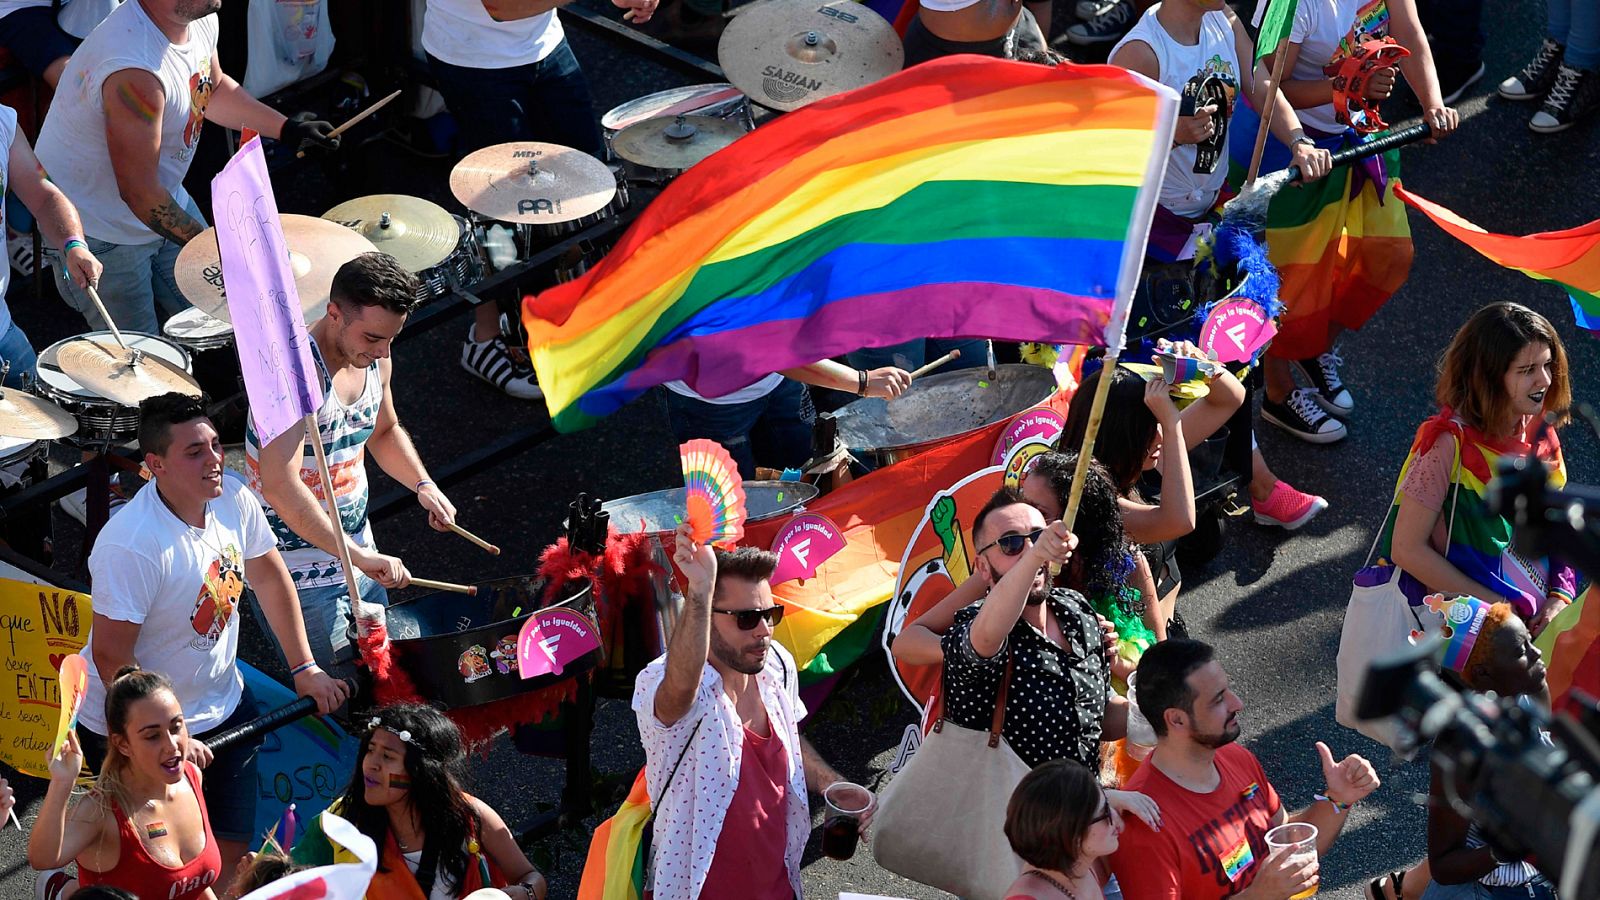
182,585
1328,31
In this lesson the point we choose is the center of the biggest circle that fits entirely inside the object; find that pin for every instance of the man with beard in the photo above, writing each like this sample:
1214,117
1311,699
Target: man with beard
1216,802
121,133
718,715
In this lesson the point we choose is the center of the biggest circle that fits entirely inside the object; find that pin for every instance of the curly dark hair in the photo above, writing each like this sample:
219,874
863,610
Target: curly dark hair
436,761
1104,559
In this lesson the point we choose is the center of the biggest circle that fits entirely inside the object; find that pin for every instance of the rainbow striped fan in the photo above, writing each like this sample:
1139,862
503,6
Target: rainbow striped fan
714,506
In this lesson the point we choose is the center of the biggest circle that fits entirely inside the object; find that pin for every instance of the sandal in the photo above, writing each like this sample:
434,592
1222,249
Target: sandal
1378,890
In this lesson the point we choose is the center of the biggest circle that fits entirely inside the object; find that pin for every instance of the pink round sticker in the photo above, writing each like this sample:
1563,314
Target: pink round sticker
803,545
1040,424
1236,330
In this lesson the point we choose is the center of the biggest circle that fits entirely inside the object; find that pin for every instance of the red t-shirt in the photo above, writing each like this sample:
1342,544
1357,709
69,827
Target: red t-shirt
1209,844
749,861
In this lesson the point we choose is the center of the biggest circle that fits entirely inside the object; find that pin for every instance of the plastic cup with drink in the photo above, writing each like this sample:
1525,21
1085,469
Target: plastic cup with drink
1301,840
841,826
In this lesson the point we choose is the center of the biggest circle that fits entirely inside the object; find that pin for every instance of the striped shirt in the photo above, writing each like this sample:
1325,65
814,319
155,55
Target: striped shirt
344,429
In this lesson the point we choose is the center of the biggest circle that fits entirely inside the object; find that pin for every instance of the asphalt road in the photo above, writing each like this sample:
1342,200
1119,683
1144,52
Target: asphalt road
1272,603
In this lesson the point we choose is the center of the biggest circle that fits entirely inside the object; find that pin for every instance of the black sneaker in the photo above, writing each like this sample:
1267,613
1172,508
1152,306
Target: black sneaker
1323,375
1106,28
1575,94
1454,81
492,361
1302,416
1538,76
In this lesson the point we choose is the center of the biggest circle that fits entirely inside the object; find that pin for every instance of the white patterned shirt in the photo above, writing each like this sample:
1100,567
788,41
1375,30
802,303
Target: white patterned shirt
689,818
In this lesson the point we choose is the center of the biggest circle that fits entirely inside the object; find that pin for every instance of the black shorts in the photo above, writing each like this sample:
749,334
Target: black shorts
35,39
1163,560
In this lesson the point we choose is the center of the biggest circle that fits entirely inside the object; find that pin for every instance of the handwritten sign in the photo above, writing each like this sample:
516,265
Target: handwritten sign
74,681
1235,331
553,639
803,545
308,762
269,328
41,626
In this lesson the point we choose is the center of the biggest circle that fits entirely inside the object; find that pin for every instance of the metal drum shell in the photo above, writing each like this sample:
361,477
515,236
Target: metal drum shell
735,108
657,512
101,421
464,266
532,235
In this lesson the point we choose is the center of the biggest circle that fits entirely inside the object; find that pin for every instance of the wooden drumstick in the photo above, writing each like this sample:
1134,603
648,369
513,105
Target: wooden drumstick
952,355
468,589
101,308
356,118
491,549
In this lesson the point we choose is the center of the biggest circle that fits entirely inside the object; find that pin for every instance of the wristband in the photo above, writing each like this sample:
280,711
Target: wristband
308,664
423,482
861,389
74,241
1337,806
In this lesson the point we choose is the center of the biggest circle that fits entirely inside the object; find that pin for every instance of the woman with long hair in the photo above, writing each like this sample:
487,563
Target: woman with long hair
1061,823
435,841
1502,391
143,827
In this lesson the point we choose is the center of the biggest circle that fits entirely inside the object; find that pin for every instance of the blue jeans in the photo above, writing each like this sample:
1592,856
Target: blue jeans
912,355
774,430
15,349
543,101
329,625
1576,23
1537,889
137,279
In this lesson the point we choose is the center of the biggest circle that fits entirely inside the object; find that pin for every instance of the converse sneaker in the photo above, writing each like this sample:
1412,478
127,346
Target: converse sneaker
1106,28
1287,508
491,360
1323,375
1575,94
1538,76
1093,9
1302,416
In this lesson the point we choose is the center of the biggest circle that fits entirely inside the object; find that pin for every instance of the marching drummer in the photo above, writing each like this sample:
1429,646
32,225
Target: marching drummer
120,141
370,299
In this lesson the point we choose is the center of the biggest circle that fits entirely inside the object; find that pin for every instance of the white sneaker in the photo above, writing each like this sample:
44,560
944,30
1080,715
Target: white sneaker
20,249
492,362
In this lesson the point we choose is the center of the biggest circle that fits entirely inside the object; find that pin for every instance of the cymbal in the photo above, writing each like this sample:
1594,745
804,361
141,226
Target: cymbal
126,376
675,143
419,234
787,53
532,183
317,248
26,416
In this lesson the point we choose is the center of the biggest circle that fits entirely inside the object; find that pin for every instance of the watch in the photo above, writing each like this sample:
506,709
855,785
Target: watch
1302,139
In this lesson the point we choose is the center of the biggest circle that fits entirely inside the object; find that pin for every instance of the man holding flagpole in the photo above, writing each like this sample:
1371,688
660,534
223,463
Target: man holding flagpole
371,297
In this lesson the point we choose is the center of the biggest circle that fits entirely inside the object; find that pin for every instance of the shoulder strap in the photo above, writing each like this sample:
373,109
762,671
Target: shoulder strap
999,720
687,744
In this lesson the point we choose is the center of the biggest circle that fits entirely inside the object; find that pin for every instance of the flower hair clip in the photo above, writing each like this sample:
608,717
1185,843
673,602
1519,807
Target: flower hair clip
375,723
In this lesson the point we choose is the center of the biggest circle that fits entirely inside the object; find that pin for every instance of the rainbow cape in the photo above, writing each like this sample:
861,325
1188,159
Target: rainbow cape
965,197
1569,259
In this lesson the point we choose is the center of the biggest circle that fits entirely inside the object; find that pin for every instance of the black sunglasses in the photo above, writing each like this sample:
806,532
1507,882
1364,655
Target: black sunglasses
746,619
1013,544
1105,816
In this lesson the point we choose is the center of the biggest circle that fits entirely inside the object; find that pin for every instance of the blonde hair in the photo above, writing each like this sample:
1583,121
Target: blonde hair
131,685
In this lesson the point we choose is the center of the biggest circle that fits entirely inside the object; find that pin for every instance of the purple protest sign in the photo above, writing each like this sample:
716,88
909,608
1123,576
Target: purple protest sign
269,329
803,545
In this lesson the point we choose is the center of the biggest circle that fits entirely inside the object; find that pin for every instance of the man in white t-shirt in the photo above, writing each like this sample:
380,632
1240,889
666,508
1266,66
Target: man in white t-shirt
168,574
120,137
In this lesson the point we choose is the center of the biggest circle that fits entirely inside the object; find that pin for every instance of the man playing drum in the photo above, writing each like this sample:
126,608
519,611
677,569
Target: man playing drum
371,297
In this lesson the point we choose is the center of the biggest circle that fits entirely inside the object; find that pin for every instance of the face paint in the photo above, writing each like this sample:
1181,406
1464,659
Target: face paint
399,782
155,830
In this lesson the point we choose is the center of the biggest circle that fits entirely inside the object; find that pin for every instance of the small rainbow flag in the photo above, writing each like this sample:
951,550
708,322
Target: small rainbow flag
1569,259
965,197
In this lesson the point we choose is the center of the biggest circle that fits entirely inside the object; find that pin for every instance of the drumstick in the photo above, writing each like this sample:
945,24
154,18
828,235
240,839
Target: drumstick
468,589
101,308
952,355
12,812
356,118
491,549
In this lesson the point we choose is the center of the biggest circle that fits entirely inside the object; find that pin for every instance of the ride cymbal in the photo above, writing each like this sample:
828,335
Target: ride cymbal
28,417
532,183
419,234
124,375
787,53
675,143
317,248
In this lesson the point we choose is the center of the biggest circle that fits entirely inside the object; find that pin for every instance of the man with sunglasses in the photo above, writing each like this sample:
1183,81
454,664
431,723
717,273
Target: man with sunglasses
718,715
1060,704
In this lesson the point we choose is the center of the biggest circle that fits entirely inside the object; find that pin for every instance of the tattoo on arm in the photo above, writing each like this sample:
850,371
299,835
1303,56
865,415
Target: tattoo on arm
173,222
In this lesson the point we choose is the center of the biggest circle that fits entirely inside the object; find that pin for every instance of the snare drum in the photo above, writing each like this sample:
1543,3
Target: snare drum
100,421
464,266
724,101
209,341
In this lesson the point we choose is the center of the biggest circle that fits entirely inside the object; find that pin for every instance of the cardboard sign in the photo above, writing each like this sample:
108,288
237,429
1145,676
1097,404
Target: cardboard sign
553,639
803,544
308,762
42,627
1235,331
1041,425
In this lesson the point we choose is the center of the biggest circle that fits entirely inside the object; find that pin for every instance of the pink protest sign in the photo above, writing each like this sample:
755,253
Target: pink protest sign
553,639
1236,330
269,328
1042,425
803,544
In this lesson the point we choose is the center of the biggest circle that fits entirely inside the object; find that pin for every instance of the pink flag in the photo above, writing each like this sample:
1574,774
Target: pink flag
268,327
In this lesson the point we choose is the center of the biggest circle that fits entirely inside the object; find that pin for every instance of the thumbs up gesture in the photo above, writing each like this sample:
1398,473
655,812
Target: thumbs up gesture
1349,780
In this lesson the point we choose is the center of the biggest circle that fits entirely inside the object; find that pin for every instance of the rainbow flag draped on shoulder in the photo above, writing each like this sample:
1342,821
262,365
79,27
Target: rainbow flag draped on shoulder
966,197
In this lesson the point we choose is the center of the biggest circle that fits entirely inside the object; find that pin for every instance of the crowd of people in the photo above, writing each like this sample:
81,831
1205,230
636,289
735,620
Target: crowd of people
1068,642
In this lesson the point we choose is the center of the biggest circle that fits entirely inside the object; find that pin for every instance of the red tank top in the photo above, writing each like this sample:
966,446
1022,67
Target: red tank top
749,860
142,876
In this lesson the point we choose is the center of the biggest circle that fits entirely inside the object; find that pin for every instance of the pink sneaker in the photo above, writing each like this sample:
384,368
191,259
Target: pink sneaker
1288,508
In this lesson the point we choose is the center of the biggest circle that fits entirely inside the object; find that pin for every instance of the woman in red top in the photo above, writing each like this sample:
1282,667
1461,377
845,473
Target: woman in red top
164,847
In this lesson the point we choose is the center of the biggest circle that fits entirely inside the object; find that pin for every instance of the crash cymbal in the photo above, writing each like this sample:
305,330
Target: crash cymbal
317,248
675,143
419,234
126,376
28,417
787,53
532,183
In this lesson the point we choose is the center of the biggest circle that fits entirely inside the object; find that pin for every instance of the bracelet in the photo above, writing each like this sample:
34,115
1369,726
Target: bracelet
861,389
423,482
74,241
1337,806
308,664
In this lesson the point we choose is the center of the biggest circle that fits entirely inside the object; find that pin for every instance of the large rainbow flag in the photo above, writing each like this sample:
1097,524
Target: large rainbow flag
965,197
1569,259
